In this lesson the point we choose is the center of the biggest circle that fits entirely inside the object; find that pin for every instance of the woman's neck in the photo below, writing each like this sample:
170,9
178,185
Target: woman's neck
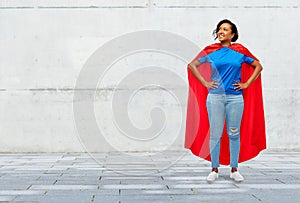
225,44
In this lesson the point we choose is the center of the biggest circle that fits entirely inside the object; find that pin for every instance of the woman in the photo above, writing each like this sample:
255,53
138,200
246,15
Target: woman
221,78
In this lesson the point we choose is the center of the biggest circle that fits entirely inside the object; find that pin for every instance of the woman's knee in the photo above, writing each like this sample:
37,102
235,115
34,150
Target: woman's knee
233,132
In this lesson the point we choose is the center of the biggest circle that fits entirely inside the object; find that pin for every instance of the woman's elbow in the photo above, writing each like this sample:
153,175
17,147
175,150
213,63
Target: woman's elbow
260,67
257,65
191,66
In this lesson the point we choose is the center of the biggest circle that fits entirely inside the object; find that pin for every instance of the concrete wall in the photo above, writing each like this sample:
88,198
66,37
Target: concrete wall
45,45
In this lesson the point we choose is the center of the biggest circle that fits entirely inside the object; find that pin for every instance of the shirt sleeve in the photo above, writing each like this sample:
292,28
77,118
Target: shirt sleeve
247,59
202,59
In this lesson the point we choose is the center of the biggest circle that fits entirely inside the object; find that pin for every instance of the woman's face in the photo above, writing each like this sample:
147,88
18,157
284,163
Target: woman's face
225,33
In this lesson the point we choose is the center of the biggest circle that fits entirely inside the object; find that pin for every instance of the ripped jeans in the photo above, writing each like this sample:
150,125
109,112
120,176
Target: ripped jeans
229,107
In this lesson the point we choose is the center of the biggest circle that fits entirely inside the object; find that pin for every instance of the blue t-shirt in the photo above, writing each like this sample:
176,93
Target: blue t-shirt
226,68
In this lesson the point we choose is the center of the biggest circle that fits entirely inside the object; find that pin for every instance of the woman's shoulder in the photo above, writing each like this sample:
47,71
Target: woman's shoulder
242,49
239,47
212,47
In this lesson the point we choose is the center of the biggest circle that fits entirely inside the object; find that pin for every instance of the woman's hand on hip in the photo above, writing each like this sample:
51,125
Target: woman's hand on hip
211,85
239,86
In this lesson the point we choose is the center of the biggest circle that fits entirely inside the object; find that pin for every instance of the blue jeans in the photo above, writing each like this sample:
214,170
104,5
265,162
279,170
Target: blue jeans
229,107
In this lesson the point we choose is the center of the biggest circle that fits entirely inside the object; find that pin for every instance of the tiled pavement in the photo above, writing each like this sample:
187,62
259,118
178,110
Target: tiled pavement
145,177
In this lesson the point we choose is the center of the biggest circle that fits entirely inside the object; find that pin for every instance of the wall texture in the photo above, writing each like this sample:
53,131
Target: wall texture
46,44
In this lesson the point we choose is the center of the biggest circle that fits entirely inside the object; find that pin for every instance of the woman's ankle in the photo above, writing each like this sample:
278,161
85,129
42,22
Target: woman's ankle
233,170
215,170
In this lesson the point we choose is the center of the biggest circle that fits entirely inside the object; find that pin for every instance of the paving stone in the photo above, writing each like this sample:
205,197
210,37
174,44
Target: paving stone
281,195
271,186
56,199
4,198
106,199
21,192
63,187
28,198
141,182
184,178
135,186
157,192
202,185
145,198
91,192
214,198
80,182
13,186
130,177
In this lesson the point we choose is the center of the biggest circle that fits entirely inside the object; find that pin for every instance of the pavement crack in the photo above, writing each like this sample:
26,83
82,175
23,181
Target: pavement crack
46,191
294,177
235,185
256,197
264,173
15,198
28,187
280,181
93,198
165,182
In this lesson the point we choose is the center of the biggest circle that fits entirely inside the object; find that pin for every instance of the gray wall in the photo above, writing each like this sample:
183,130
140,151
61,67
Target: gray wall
46,44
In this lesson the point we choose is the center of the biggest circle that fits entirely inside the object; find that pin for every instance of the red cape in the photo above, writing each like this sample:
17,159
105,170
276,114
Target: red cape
252,132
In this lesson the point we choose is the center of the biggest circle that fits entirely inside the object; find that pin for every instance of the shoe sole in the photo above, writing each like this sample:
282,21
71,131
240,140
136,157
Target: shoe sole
210,181
237,180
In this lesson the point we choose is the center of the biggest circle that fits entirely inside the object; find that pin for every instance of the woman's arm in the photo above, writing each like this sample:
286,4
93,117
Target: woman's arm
257,69
194,69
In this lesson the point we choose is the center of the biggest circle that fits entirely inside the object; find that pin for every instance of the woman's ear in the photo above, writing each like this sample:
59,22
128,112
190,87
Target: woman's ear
232,35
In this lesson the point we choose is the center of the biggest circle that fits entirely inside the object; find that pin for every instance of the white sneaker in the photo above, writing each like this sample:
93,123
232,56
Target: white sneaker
212,176
236,176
